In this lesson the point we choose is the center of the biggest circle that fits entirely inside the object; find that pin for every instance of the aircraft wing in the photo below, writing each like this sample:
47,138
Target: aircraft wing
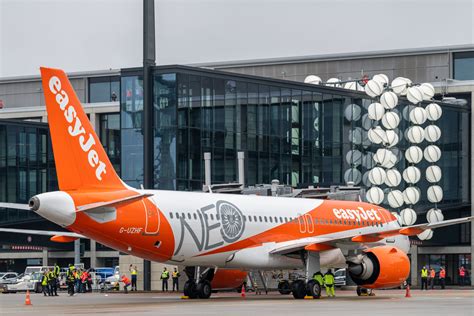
41,232
325,242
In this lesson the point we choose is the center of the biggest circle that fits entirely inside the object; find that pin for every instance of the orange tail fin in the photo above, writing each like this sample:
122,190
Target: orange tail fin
81,161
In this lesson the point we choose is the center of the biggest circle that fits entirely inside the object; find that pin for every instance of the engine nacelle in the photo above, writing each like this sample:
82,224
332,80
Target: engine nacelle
380,267
57,206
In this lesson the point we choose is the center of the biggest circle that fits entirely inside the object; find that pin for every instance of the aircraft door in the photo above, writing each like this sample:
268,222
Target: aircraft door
152,218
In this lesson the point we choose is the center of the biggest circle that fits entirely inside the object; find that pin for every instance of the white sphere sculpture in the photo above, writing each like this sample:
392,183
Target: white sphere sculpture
415,95
354,157
433,174
352,112
377,135
406,111
434,215
333,82
428,91
432,133
400,85
376,111
434,193
375,195
433,111
389,100
383,156
426,235
432,153
353,85
368,160
414,154
391,163
313,79
365,179
381,78
353,175
395,198
418,115
392,138
411,175
373,88
367,122
393,178
411,195
408,216
377,176
390,120
415,134
355,135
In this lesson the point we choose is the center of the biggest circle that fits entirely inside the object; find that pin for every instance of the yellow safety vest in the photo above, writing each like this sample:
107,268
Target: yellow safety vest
424,273
45,280
175,274
134,272
319,278
328,279
165,275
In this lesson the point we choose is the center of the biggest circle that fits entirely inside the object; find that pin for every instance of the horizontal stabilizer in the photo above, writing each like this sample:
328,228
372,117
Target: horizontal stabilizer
114,203
41,232
15,206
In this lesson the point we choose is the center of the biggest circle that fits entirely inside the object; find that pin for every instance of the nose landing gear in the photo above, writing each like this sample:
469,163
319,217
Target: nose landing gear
199,284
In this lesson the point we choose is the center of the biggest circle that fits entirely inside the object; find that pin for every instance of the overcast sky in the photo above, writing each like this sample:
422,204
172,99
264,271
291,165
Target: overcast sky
83,35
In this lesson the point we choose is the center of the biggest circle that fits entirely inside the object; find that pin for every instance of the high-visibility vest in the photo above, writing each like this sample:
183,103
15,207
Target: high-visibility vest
125,280
45,280
134,272
424,273
328,279
165,275
319,277
57,270
432,274
51,275
442,274
175,274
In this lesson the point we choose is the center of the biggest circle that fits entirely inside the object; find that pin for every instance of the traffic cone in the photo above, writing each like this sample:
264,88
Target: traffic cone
242,292
27,299
407,293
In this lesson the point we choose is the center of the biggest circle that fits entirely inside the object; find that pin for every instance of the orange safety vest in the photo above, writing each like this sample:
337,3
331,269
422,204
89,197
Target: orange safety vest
125,280
432,274
442,274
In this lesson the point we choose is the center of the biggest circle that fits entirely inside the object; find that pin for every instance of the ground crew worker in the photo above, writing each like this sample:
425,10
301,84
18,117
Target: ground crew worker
70,279
318,276
329,283
126,283
89,281
133,273
165,275
432,277
462,274
57,272
442,277
175,276
77,281
83,281
52,283
424,278
45,284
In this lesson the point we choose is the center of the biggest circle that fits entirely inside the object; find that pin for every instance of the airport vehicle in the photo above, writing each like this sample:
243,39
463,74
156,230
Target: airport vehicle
8,277
30,282
340,277
205,230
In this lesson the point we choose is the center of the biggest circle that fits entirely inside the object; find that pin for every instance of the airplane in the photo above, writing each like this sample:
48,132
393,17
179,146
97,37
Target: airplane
211,231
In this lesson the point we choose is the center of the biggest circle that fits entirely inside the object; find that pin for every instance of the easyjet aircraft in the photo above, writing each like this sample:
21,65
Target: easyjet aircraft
211,230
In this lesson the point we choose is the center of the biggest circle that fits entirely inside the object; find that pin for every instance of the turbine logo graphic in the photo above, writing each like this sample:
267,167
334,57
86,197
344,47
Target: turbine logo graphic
232,221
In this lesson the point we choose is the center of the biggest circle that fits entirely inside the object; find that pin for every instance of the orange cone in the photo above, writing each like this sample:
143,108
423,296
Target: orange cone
27,299
242,292
407,293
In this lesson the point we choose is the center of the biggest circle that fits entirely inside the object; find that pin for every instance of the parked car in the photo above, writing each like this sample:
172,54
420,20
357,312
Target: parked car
103,273
112,282
340,277
8,277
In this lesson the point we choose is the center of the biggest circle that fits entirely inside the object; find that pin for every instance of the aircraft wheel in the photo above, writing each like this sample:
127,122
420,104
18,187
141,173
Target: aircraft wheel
190,289
284,287
298,289
204,289
313,288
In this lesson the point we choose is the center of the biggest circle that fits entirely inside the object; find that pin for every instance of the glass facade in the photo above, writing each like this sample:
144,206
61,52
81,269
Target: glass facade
109,132
104,89
26,166
463,68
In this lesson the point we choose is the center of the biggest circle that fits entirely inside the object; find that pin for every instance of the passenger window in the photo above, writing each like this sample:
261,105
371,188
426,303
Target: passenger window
189,215
271,219
183,216
212,217
195,216
244,217
265,218
281,220
255,218
177,215
250,218
171,215
260,219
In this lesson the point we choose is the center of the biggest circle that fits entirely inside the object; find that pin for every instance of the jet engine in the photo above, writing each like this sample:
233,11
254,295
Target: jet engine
380,267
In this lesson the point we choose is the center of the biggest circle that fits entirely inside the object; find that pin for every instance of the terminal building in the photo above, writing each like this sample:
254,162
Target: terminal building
294,132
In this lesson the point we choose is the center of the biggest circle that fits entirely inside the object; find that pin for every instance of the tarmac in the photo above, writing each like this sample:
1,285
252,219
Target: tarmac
385,302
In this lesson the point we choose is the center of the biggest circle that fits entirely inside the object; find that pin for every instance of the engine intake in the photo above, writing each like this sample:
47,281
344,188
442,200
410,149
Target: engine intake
380,267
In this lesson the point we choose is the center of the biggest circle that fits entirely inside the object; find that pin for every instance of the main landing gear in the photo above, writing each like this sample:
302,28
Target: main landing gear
199,284
300,289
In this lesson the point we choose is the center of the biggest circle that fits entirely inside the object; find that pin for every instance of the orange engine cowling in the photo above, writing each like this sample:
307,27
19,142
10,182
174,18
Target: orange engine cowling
228,279
380,267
